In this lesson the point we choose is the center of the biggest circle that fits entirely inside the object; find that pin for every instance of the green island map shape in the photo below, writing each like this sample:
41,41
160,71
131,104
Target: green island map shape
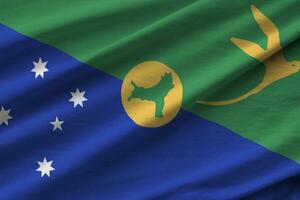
156,93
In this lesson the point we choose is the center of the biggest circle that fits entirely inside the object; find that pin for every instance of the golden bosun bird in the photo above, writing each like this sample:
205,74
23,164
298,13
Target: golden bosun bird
277,67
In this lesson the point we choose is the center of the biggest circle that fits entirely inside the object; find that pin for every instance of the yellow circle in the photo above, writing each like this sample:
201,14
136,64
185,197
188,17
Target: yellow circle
144,101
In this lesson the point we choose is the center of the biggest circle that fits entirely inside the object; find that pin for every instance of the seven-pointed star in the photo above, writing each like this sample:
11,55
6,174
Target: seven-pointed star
57,124
4,116
45,167
39,68
78,98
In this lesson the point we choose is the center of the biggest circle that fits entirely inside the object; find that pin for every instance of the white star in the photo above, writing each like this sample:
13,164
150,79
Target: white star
57,124
45,167
78,98
39,68
4,116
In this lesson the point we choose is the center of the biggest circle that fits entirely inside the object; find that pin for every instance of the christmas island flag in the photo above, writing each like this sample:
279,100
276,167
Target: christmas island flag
149,100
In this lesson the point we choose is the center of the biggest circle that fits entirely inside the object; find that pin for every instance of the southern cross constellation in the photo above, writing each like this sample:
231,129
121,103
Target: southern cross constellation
77,98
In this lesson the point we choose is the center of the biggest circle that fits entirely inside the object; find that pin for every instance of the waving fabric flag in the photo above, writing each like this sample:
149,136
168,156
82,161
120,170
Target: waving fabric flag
149,100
